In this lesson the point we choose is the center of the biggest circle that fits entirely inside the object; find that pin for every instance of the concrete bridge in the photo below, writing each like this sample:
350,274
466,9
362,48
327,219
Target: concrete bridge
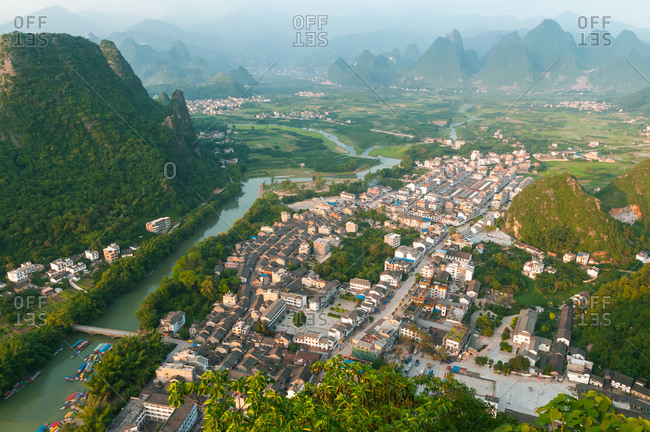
112,333
103,331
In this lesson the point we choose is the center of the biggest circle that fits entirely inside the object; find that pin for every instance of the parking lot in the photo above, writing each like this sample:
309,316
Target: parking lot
496,236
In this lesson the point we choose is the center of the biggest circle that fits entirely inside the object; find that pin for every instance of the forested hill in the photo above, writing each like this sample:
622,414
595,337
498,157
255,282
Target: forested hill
556,214
81,143
614,325
631,188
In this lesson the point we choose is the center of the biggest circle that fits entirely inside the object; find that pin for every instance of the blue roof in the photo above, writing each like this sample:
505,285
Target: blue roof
331,203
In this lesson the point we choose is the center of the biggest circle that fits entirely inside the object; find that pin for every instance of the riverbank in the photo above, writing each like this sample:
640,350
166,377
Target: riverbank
36,404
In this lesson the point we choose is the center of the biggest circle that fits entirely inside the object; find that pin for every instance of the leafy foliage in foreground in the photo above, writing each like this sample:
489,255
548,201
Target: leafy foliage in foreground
594,412
351,397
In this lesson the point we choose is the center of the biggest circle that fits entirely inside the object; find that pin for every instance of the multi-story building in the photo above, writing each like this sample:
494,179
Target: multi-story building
456,339
582,258
273,312
159,225
155,408
322,246
111,252
313,340
351,227
23,273
393,240
173,321
358,285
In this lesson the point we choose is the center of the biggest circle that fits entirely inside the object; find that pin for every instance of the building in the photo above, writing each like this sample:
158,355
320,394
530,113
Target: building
474,289
456,339
525,326
564,326
169,371
643,257
273,312
579,369
582,258
351,227
111,252
622,382
322,246
229,299
191,358
569,257
640,390
91,254
173,321
393,240
358,285
462,258
304,249
313,340
533,268
159,225
23,273
353,317
155,408
408,253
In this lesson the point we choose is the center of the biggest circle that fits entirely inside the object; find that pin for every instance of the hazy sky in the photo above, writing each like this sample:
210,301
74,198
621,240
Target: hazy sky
632,12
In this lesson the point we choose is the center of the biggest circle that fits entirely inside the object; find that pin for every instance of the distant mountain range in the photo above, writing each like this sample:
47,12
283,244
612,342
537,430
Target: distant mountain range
176,68
512,63
496,53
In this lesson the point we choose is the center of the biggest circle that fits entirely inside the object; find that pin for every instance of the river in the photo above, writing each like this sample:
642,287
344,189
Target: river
452,127
39,403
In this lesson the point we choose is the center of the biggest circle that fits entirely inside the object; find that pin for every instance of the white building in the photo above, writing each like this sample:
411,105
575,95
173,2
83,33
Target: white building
159,225
91,254
23,273
173,321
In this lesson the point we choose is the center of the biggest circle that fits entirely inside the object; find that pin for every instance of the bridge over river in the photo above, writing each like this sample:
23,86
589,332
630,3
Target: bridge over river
103,331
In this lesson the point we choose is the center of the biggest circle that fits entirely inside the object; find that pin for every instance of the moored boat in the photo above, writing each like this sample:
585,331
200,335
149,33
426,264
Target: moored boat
32,378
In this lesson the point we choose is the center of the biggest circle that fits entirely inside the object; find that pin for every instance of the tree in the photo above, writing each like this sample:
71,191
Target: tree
593,412
481,361
505,346
547,369
519,363
506,334
350,397
299,319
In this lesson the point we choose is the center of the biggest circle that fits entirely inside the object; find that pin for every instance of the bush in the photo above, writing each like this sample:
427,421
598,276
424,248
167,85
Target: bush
505,346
